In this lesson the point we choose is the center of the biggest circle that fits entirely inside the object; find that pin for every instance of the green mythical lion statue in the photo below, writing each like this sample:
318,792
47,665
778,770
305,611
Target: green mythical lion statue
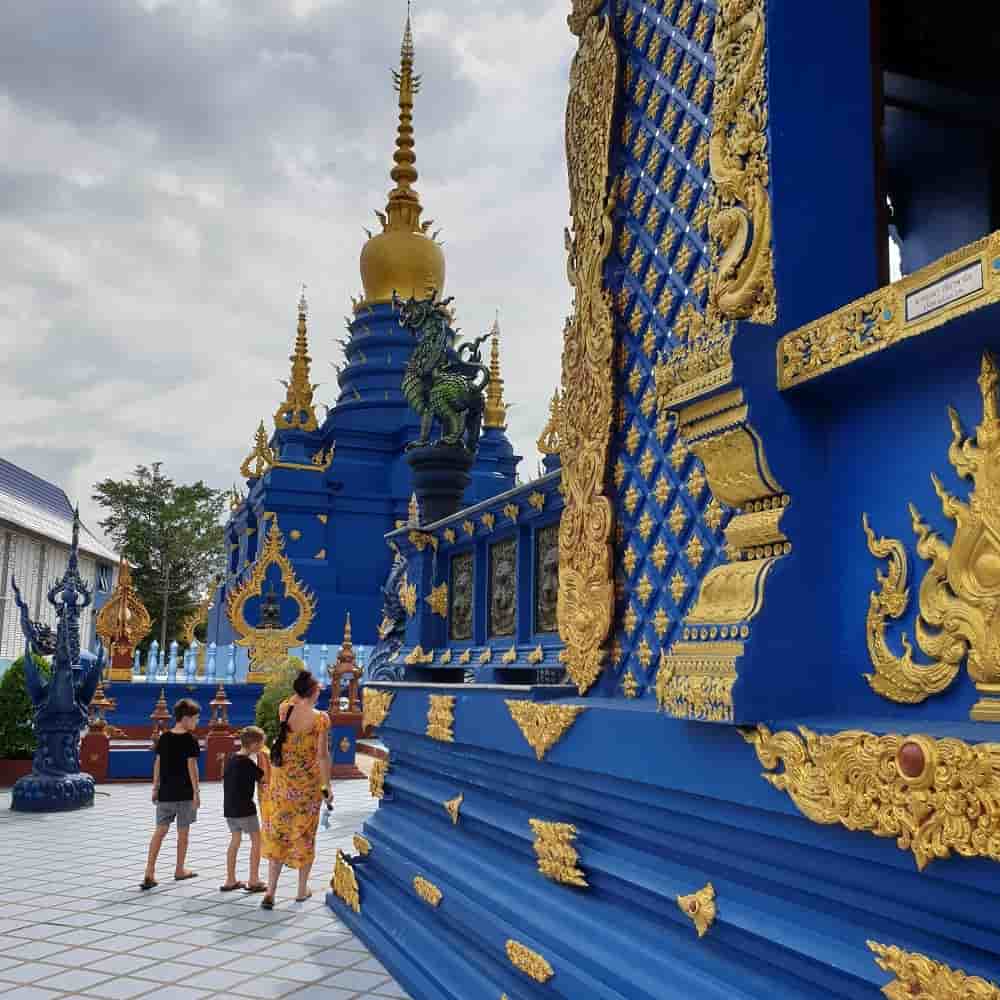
441,381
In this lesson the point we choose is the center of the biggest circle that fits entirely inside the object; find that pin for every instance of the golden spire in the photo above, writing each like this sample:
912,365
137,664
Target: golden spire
548,441
297,412
414,510
495,414
403,258
347,646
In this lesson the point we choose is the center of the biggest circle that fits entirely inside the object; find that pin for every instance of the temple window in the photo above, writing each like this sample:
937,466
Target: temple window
460,597
939,147
503,587
546,577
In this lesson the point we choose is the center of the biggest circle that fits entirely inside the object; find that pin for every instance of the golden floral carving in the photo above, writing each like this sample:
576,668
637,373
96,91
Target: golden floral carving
376,780
445,657
542,725
449,535
740,219
586,586
486,656
557,858
468,527
537,500
529,962
488,521
262,456
362,845
466,656
630,686
417,656
123,622
536,655
920,977
695,680
548,441
344,884
427,891
510,656
898,678
935,796
270,645
376,705
700,908
441,717
878,320
511,510
452,807
408,595
438,600
731,593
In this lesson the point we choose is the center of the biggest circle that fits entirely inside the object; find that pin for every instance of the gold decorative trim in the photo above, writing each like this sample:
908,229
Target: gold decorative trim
695,680
362,845
270,645
529,962
262,456
510,656
438,600
421,539
123,622
375,707
919,976
417,655
344,883
452,807
557,858
935,796
465,656
376,780
427,891
511,510
322,518
542,725
320,555
486,656
408,596
585,604
449,535
441,717
630,686
468,527
878,320
537,500
445,657
488,521
898,678
739,222
700,908
536,655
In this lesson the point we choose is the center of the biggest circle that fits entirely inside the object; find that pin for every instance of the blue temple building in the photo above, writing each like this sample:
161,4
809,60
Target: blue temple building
744,742
336,486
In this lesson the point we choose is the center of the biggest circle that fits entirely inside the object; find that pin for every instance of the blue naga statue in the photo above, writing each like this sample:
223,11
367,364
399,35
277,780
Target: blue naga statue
61,702
382,666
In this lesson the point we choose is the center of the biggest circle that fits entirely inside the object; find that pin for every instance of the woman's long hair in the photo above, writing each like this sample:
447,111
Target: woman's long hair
303,685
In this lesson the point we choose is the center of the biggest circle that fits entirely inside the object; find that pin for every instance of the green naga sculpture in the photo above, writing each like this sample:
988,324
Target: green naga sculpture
442,382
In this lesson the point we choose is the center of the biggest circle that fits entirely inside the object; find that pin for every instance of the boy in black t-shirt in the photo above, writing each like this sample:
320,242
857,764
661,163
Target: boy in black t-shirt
241,774
175,788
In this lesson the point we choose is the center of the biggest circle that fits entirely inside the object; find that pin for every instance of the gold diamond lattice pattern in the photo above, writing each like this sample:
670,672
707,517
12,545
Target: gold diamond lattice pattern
670,532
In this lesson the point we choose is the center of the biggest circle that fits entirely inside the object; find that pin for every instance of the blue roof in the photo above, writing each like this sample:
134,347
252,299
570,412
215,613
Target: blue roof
24,485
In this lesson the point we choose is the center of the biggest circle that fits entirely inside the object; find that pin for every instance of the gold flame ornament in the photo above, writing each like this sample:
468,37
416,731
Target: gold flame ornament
262,456
270,645
122,624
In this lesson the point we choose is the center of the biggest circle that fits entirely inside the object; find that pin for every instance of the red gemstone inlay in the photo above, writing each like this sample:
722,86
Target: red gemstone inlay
911,760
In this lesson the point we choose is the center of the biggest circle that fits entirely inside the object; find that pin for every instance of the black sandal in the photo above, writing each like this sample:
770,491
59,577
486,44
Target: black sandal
267,903
233,887
148,883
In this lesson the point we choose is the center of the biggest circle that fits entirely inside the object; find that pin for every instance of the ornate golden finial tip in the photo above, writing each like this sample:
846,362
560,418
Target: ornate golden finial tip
303,304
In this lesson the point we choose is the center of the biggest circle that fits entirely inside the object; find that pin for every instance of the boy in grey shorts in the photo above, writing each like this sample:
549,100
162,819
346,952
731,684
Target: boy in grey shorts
241,775
175,788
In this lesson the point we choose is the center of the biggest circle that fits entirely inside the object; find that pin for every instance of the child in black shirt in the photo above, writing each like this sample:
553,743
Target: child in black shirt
241,774
175,788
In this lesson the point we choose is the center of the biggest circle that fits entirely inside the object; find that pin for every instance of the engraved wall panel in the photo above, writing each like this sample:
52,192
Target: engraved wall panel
460,597
546,578
503,587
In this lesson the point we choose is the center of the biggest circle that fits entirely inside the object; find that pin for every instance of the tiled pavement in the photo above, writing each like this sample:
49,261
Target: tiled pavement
74,924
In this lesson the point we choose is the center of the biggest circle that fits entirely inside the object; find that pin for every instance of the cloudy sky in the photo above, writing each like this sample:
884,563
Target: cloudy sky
172,170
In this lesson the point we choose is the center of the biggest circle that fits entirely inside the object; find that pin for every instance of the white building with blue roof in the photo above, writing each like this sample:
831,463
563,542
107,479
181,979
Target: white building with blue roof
36,528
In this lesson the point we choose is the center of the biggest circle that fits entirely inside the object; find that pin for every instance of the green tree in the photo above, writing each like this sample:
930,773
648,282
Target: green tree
277,689
171,534
17,730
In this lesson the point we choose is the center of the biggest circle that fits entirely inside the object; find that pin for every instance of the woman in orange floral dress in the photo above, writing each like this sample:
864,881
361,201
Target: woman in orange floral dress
298,781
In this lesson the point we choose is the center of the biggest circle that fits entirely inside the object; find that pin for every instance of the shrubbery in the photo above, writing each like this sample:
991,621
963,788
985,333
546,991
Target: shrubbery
277,689
17,731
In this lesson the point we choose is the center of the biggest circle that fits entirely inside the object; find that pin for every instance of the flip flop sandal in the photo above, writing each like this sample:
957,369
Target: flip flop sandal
148,883
233,887
267,903
255,887
302,899
185,876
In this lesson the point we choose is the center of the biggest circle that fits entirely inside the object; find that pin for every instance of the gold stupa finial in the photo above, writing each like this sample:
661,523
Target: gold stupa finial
347,645
403,258
297,412
495,413
548,441
413,513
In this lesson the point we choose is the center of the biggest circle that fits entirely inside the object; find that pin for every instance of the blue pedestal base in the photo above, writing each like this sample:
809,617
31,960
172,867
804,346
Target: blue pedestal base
53,793
441,475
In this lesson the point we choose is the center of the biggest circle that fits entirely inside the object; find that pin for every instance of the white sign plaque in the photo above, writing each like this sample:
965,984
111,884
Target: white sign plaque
945,291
